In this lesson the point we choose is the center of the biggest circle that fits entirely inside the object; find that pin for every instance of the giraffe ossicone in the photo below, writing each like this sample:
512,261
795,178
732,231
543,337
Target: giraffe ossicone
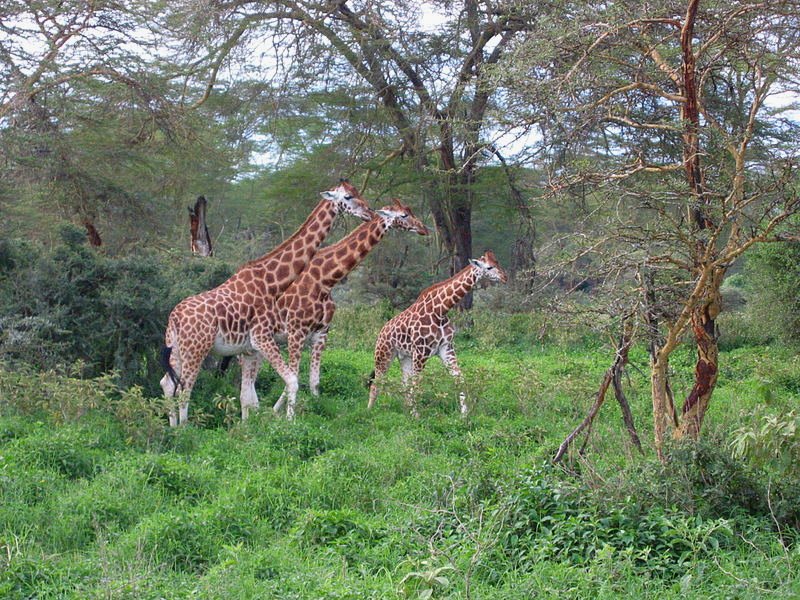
423,330
221,318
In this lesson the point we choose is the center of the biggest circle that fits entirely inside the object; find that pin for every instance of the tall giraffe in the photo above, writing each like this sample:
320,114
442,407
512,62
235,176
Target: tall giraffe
423,330
221,318
306,307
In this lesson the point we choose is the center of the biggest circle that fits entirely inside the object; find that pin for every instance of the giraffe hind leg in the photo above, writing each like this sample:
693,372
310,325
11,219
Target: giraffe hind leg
171,381
383,358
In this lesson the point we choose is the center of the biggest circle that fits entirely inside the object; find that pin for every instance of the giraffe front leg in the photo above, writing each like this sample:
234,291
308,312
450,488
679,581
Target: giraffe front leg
317,348
295,342
448,355
248,397
268,349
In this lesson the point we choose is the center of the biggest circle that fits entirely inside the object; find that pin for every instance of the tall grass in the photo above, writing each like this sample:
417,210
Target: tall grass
99,499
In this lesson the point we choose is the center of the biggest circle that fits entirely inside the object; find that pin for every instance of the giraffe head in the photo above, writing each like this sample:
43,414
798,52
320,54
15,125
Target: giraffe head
488,268
400,216
347,199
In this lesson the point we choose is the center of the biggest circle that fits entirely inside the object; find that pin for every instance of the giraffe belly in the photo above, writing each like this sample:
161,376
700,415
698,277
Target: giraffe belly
226,347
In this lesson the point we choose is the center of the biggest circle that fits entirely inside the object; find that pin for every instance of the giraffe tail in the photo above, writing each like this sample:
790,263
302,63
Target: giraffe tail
163,358
371,378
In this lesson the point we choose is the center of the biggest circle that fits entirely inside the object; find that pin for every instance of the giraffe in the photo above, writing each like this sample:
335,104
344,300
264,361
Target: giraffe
423,330
306,307
221,318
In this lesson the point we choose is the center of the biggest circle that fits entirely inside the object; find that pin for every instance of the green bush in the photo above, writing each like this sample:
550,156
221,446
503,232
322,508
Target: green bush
772,278
551,519
72,303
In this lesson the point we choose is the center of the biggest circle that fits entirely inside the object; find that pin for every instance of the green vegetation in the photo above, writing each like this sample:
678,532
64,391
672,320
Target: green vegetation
99,499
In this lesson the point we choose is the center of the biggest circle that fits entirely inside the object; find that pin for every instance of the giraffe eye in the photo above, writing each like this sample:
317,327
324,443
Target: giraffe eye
404,216
489,268
348,197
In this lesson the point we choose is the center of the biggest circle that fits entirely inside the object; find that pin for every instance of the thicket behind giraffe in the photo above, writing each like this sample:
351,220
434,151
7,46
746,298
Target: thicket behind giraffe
221,318
306,308
423,330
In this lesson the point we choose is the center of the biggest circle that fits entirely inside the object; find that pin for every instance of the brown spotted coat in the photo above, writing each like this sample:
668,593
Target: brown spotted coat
423,329
221,318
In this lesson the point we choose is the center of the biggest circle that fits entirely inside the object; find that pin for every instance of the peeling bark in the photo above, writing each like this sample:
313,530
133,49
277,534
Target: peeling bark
707,365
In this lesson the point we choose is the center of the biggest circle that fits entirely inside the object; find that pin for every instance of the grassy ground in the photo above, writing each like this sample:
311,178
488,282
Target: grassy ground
99,500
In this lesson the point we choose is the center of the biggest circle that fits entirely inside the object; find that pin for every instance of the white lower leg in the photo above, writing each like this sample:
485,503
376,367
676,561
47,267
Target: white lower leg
291,393
183,412
462,403
249,400
279,404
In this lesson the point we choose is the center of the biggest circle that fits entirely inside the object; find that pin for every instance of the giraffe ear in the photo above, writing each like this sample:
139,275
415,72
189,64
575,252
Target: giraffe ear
475,263
327,195
385,213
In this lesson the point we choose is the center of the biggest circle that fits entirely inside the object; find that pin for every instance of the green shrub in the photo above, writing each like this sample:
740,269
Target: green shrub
772,278
326,527
76,453
550,519
72,303
302,439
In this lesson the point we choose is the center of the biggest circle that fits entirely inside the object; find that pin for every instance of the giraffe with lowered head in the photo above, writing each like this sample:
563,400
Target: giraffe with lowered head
306,307
221,319
423,330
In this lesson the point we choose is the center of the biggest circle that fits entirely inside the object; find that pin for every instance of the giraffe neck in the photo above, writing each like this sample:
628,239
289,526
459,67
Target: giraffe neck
445,295
275,271
339,259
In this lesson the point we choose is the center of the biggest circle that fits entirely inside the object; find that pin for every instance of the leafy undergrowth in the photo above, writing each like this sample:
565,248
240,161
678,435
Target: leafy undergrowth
99,499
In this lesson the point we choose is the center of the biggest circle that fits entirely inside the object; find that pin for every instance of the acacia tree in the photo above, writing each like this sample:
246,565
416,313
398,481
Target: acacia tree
431,83
667,114
93,122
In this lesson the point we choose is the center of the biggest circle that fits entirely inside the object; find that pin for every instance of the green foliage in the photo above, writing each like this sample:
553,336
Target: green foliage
351,503
110,312
772,441
427,582
772,274
550,519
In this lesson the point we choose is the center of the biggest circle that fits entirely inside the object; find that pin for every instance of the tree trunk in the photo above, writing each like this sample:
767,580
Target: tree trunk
200,238
707,365
451,207
612,377
91,233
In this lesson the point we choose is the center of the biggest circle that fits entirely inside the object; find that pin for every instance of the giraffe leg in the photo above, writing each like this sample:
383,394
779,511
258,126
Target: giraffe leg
186,366
268,349
317,347
448,355
296,339
412,368
191,368
248,396
383,358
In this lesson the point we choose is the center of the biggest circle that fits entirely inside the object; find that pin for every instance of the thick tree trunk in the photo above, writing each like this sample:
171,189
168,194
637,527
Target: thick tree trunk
707,366
451,207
